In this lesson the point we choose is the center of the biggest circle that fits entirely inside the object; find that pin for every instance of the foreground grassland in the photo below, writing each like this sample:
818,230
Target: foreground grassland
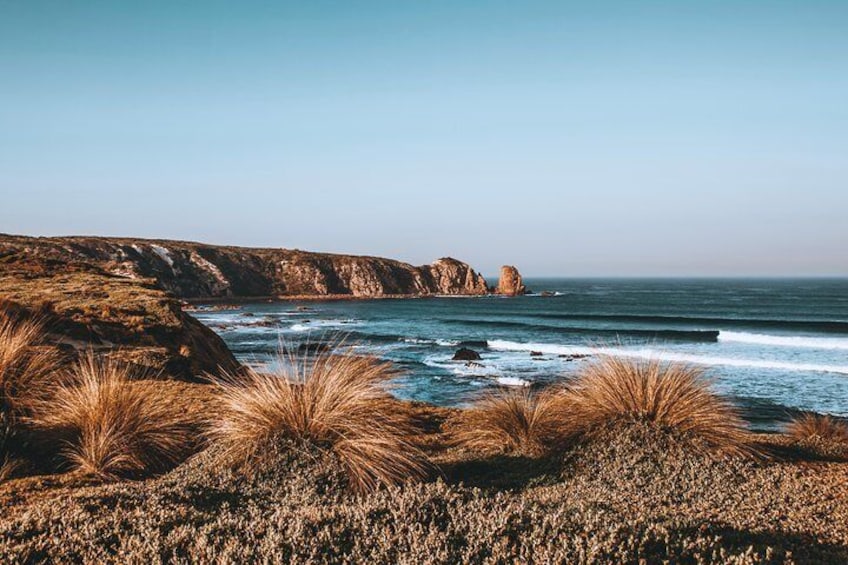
635,495
634,492
316,463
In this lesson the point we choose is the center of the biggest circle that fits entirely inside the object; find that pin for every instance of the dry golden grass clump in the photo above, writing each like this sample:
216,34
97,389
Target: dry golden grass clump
609,391
517,422
818,427
336,403
112,426
670,396
25,371
823,433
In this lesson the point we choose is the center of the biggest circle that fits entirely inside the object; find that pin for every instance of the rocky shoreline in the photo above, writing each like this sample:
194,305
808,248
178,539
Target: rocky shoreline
133,295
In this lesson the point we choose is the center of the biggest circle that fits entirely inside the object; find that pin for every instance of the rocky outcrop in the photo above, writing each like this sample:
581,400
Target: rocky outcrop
198,271
510,283
131,319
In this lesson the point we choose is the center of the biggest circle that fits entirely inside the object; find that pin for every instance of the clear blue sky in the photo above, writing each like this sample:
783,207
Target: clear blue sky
590,138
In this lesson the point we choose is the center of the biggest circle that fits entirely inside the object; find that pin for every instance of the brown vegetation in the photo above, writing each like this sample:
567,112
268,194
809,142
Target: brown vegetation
111,426
25,370
609,392
818,427
630,497
86,310
825,435
334,403
670,396
516,422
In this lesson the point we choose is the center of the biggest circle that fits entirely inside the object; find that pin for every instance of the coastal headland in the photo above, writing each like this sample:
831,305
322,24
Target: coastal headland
100,292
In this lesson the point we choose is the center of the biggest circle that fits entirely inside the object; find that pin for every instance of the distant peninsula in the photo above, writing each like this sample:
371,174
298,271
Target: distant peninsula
126,292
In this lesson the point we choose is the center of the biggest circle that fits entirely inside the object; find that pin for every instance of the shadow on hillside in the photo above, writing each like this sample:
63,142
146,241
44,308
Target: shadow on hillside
769,546
502,472
799,453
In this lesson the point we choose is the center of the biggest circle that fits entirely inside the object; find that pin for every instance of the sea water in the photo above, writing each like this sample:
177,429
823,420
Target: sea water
772,346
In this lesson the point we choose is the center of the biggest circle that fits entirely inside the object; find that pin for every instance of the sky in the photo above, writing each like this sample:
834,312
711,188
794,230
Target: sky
600,138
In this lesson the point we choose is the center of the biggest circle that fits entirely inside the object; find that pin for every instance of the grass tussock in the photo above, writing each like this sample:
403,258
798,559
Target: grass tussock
818,427
25,371
518,422
110,425
824,435
334,403
671,396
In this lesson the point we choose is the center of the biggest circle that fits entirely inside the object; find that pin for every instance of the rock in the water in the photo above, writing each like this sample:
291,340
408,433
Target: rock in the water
510,283
573,357
536,354
465,354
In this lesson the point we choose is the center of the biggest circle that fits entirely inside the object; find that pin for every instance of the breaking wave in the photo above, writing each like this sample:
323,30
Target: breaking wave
785,340
656,354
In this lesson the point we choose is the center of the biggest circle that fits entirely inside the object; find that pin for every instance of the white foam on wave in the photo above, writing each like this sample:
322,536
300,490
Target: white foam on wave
212,317
653,354
512,381
317,324
475,371
784,340
461,368
424,341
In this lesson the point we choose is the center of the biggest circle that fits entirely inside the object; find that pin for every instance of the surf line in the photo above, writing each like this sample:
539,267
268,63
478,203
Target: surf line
654,354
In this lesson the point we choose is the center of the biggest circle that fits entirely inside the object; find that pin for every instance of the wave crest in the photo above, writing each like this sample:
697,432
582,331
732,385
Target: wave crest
655,354
784,340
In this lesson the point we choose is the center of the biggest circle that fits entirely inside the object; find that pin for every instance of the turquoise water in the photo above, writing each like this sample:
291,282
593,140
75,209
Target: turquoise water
774,346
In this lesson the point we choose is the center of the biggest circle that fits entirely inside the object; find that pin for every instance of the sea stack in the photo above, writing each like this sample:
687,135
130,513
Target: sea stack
510,283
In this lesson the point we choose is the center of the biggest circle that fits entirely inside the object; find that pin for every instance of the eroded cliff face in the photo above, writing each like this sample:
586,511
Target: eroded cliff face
196,271
449,274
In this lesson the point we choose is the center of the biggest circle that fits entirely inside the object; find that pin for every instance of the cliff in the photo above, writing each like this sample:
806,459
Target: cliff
123,295
196,271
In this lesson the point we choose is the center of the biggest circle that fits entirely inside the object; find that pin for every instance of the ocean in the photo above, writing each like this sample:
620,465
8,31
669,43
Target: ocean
773,346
